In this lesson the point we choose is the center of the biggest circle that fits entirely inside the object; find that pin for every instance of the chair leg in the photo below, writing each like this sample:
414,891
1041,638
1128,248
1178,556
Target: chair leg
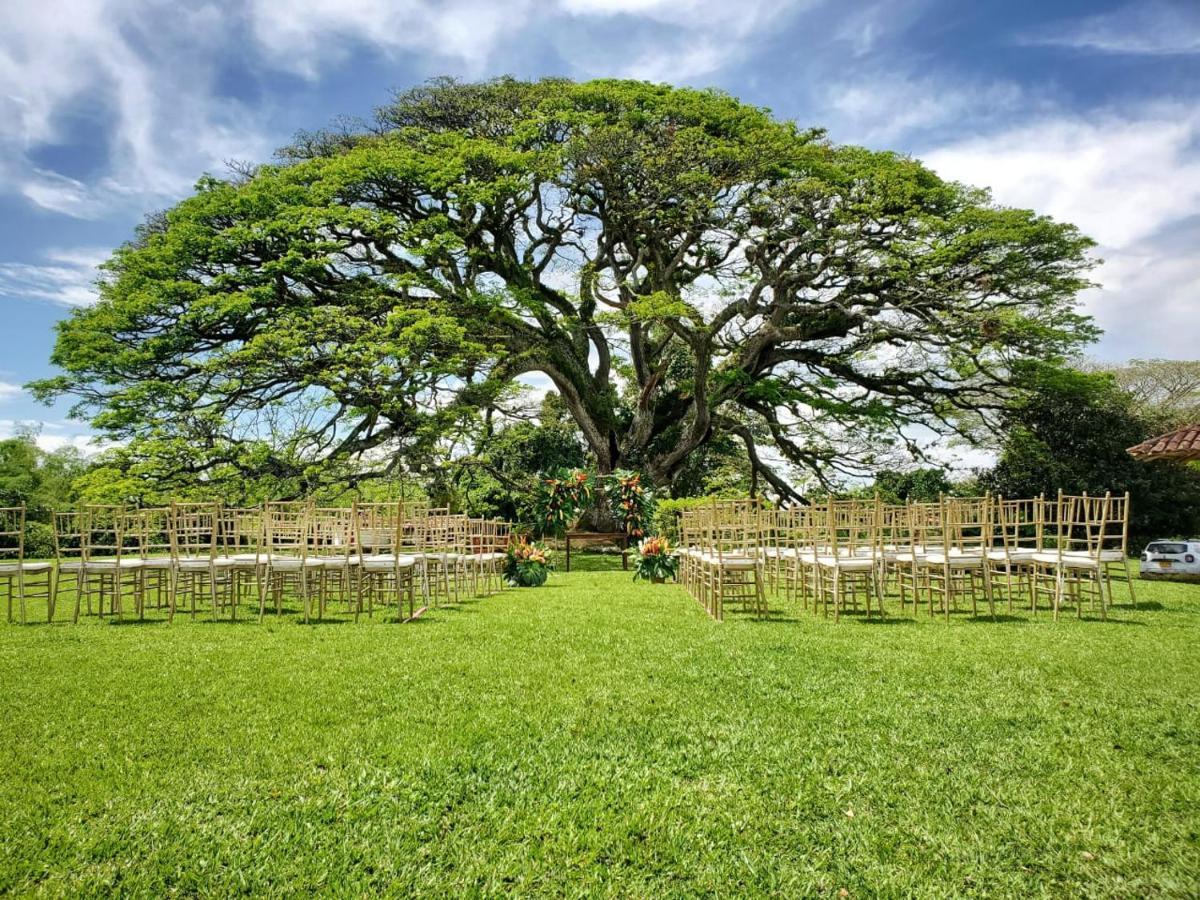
1129,582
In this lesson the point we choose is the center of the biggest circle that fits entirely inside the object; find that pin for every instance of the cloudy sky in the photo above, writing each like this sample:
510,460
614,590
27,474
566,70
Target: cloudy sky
1084,109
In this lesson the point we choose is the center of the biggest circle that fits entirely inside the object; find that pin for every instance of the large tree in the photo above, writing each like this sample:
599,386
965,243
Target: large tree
679,264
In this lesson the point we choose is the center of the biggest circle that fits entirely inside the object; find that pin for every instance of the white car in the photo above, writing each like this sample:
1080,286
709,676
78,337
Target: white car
1171,558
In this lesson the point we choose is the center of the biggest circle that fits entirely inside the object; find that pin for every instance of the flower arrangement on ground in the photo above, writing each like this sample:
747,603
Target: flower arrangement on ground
527,565
655,560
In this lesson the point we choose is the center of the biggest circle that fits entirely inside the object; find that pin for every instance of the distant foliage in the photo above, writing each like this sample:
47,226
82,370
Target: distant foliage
1073,434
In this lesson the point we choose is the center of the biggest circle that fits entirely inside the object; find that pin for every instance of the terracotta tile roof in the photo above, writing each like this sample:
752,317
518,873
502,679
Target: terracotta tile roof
1183,443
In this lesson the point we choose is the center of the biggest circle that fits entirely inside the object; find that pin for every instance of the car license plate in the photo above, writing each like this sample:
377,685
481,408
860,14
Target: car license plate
1164,563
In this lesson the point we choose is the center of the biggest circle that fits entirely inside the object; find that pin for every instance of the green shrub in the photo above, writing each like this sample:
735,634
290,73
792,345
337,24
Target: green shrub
39,540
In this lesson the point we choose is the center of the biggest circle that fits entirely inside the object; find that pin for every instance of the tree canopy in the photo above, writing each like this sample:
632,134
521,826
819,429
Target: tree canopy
680,265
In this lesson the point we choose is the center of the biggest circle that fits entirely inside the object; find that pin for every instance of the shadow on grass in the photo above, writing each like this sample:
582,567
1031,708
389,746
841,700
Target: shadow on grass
887,620
988,619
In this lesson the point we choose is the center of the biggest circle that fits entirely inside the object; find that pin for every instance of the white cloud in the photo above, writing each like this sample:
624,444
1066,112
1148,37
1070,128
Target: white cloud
303,35
86,443
1119,178
67,277
1130,181
8,390
1142,27
146,69
882,110
695,37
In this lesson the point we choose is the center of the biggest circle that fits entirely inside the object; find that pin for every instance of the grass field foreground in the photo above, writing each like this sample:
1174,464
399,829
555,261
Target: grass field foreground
600,737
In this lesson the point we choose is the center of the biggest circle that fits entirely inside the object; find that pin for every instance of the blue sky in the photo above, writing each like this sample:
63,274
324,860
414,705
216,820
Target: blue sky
1088,111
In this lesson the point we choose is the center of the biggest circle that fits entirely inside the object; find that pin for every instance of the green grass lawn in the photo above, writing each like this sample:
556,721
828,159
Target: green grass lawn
600,737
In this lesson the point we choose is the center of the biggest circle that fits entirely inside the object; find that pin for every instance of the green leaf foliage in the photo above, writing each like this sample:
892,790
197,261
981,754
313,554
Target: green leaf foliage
348,310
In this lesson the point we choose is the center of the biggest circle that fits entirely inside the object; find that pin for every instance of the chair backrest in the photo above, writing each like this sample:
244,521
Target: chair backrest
692,527
239,531
70,534
850,527
1091,524
893,528
1017,524
966,525
12,533
196,530
444,533
148,532
333,531
286,526
501,536
105,534
378,527
928,526
736,529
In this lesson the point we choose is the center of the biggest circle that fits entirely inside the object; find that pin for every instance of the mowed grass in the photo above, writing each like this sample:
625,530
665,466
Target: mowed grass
601,737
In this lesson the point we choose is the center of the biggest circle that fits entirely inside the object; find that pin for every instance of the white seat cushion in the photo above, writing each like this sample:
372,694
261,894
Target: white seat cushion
846,563
955,560
101,565
13,568
738,563
383,562
258,559
1075,560
1016,554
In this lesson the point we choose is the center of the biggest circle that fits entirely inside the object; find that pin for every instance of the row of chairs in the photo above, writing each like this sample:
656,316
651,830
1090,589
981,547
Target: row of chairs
840,553
394,554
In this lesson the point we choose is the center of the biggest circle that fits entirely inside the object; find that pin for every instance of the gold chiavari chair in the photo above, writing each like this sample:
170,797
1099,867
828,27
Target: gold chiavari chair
486,560
1091,534
925,529
893,537
689,549
386,572
239,550
26,580
108,565
845,563
331,542
413,531
149,536
734,563
774,537
477,540
286,527
501,538
799,556
70,531
198,569
1017,536
960,567
442,552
